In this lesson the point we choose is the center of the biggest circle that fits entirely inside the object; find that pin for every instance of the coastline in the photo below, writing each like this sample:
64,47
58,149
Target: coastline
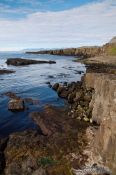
67,142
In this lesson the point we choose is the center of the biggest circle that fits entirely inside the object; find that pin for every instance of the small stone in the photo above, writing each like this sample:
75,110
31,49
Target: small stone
91,121
86,119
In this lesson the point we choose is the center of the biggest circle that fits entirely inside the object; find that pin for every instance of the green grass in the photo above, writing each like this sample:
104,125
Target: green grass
112,51
46,161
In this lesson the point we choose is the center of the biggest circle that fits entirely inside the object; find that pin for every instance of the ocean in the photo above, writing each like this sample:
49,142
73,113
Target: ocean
31,82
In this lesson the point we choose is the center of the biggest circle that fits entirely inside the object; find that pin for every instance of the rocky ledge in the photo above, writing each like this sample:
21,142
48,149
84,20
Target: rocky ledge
6,71
23,62
53,149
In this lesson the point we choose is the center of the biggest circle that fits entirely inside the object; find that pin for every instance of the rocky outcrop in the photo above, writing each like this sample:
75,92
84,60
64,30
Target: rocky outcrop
31,152
103,105
83,52
6,71
23,62
17,104
108,49
78,97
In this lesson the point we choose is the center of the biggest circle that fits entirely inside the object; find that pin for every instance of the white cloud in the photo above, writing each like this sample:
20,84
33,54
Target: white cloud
86,25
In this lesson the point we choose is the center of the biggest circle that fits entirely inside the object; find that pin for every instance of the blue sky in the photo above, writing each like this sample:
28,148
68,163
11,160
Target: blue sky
9,6
56,23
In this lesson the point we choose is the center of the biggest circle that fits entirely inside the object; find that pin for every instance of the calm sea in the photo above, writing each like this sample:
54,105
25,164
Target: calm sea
30,82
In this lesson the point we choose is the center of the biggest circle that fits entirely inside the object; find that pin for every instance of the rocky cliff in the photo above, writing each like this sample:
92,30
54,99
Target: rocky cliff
84,52
103,142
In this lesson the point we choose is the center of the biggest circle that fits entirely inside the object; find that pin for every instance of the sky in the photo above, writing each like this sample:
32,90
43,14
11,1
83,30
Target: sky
56,23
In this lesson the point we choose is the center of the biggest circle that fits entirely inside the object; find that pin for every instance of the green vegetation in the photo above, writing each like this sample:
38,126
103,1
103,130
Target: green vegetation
46,161
112,51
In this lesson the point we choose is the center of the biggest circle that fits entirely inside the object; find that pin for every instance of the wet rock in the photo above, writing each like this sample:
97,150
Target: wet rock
55,86
78,72
71,87
60,89
49,121
31,101
50,86
40,122
48,82
64,94
79,94
22,62
16,105
71,97
6,71
12,95
50,76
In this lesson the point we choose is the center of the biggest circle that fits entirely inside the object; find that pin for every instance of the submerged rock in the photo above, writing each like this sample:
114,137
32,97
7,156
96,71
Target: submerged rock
22,62
31,101
6,71
11,95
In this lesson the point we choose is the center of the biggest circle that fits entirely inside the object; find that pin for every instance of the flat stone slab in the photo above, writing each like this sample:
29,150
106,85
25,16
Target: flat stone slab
23,62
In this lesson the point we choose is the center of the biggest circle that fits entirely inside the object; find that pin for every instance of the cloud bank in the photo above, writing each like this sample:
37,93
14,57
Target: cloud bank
91,24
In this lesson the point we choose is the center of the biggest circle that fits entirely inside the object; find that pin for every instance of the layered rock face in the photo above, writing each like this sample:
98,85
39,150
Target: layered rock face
103,106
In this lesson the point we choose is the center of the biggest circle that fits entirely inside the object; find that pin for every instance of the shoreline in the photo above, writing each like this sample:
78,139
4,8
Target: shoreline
69,141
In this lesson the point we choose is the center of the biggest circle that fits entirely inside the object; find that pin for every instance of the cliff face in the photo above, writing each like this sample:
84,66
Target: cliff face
103,103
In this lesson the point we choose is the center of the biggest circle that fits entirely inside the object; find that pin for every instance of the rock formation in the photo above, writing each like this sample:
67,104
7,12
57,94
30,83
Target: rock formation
22,62
103,106
6,71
